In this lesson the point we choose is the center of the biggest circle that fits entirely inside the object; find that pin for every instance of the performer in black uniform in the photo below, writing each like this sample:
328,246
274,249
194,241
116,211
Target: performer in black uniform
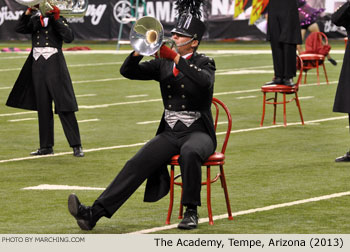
283,32
45,78
342,102
186,81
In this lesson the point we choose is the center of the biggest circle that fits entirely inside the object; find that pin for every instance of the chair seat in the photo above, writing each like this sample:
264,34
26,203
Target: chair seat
311,56
279,88
217,158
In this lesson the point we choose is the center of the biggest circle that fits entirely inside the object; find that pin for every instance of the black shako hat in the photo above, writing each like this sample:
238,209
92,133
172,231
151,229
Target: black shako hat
189,23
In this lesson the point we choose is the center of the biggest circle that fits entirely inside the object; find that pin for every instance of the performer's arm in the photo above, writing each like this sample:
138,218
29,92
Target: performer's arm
134,70
62,28
203,74
25,25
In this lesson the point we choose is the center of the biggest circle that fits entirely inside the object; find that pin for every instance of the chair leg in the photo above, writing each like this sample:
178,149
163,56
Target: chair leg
181,208
274,109
224,186
210,214
298,105
263,114
305,77
325,73
318,73
284,110
171,195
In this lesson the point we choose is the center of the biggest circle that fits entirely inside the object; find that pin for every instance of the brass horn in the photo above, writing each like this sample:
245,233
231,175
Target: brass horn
68,8
147,36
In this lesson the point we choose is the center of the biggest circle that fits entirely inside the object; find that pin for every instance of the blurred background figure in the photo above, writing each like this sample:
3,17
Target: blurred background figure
308,17
45,78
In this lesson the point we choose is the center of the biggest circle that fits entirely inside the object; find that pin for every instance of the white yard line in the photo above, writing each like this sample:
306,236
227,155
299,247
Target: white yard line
136,96
249,211
70,153
85,95
89,120
140,144
62,187
22,119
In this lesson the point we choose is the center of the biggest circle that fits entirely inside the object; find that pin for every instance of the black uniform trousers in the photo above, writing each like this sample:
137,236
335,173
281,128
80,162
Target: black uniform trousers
283,53
41,76
192,143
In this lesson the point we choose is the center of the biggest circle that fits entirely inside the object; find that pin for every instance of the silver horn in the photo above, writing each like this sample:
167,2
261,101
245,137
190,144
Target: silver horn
68,8
147,36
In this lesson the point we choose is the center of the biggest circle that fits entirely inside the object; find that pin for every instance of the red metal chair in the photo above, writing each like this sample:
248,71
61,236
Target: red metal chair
285,90
317,49
217,159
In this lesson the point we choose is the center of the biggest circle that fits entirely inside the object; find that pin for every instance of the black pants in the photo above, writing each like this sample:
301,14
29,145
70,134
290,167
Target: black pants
44,100
194,146
284,59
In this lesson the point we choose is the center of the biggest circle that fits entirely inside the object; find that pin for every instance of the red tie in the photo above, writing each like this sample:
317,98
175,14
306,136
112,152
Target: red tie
175,70
42,21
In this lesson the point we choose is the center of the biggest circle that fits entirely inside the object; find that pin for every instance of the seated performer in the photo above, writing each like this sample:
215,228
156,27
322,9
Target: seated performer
283,32
342,102
186,81
45,78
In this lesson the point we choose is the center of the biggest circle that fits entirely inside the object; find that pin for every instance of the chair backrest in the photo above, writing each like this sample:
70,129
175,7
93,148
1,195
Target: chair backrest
300,67
317,42
218,106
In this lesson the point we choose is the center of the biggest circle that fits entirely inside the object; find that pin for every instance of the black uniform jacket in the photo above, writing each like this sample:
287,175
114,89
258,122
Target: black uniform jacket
283,15
190,90
57,31
342,98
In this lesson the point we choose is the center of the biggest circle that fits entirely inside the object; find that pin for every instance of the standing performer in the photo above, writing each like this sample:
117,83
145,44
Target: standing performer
186,81
283,32
45,78
342,102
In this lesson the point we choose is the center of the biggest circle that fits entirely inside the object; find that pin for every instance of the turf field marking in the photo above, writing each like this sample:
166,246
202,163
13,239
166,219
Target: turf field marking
85,95
306,97
246,72
99,80
246,97
10,69
117,104
62,187
14,57
70,153
250,211
148,122
140,144
5,87
95,64
18,113
135,96
89,120
23,119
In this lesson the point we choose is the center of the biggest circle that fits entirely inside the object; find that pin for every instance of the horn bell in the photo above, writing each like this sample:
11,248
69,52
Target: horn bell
68,8
146,35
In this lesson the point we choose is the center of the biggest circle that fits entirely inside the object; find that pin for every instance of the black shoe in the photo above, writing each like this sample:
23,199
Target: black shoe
275,81
78,151
42,151
333,62
190,220
81,213
288,82
345,158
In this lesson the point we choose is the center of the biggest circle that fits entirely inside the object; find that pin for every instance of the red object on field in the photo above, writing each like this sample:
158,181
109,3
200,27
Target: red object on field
217,159
317,49
285,90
